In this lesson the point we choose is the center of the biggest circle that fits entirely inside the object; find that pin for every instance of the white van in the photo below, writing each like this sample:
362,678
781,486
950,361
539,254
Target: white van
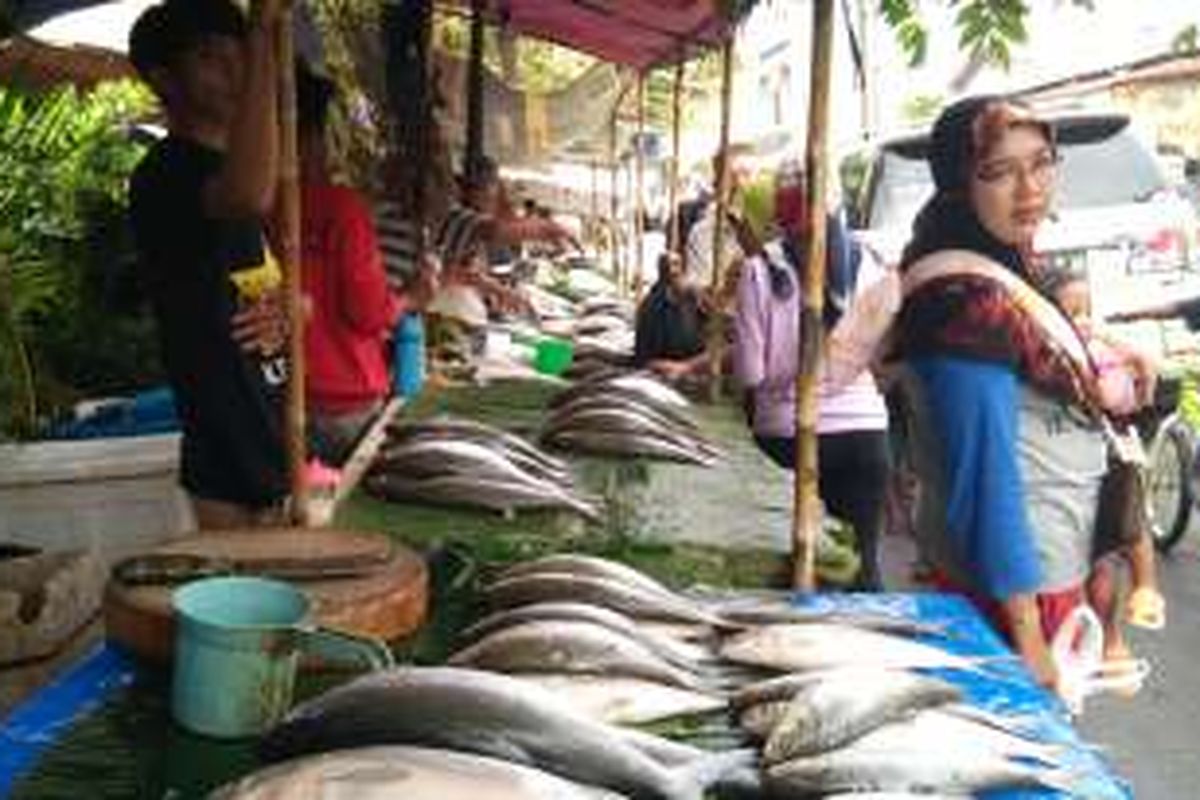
1115,217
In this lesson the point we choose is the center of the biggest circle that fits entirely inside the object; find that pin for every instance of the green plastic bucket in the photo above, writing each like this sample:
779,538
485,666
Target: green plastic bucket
552,355
238,642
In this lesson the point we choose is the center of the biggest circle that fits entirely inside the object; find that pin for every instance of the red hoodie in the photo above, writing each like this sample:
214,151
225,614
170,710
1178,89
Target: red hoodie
352,309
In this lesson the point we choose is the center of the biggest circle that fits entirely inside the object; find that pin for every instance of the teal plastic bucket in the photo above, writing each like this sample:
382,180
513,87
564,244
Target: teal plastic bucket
238,643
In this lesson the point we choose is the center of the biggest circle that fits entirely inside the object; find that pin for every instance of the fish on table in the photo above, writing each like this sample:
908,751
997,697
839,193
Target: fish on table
491,715
621,700
626,598
505,496
571,646
681,654
412,773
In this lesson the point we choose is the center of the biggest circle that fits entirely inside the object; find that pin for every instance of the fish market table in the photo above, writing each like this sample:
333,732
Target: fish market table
102,729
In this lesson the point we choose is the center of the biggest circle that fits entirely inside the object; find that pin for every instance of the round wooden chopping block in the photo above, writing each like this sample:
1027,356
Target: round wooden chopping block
386,599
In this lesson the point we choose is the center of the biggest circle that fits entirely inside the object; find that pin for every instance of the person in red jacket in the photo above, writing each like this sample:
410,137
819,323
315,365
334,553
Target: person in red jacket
352,310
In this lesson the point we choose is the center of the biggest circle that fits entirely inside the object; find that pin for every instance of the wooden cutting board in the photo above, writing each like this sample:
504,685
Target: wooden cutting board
386,598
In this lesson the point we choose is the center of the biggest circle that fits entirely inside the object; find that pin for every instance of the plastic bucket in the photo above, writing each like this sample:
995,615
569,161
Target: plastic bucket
238,643
552,355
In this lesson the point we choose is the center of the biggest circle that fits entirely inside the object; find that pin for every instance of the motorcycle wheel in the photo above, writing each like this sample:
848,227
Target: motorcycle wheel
1169,491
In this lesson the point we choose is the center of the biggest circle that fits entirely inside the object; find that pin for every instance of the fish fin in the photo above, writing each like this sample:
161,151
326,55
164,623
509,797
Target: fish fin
692,780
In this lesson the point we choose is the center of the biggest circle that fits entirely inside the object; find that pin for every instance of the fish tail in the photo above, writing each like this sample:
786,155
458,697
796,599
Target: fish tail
731,767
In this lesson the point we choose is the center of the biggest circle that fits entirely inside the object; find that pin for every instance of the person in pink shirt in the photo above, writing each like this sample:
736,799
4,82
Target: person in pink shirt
852,421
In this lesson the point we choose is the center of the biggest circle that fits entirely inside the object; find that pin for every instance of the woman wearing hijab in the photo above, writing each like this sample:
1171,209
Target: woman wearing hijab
852,418
1009,443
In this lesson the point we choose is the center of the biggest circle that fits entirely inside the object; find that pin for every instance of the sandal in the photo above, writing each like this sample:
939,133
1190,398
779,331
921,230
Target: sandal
1146,608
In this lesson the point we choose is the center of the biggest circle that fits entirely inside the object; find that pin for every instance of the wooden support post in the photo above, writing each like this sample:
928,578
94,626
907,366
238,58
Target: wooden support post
639,204
614,220
673,243
716,332
289,255
474,154
806,510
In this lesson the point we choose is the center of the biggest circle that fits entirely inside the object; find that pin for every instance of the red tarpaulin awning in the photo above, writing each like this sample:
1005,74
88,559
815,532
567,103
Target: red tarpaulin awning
636,33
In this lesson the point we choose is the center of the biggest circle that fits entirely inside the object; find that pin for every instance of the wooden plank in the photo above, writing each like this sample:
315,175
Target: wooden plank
365,451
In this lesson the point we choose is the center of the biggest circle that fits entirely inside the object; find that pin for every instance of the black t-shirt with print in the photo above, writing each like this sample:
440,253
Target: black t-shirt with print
229,401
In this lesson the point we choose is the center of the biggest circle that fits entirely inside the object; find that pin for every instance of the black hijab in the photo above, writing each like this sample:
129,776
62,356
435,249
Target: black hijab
947,221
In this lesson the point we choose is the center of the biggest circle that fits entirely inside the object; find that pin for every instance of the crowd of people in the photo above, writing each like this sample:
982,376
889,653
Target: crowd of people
1016,404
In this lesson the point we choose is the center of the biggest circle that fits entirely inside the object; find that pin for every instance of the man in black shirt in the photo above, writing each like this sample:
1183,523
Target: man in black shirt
198,200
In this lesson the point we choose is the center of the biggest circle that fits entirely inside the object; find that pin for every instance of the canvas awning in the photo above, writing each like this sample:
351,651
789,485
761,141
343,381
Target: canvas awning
635,33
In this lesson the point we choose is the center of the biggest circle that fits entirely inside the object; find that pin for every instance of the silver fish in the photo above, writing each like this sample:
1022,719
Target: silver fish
858,769
680,654
464,490
629,423
428,458
587,565
458,427
414,773
570,646
955,735
603,442
640,384
760,719
493,715
824,646
665,415
564,587
842,707
624,700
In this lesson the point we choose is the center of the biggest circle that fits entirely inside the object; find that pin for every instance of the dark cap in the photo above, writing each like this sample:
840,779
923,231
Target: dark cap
172,27
957,138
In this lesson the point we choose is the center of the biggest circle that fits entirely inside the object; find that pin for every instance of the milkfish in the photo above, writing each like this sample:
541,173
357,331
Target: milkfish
586,565
823,646
624,700
570,646
681,654
492,715
413,773
923,767
628,444
840,708
465,490
626,598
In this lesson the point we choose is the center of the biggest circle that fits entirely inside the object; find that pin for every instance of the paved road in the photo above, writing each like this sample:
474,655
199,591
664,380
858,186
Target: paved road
1153,738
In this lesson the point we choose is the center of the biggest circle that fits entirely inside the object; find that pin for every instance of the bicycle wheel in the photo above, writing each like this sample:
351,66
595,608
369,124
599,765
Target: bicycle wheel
1168,485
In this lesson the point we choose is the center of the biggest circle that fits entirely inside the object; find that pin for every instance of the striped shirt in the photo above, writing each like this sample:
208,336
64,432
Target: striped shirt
397,242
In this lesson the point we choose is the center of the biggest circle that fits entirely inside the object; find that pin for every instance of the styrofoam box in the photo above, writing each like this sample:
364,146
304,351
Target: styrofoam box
113,496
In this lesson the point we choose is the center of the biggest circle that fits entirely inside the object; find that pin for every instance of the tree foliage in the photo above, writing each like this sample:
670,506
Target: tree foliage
987,27
66,159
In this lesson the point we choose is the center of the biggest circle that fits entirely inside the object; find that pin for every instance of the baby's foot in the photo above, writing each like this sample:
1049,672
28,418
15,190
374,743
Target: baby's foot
1146,608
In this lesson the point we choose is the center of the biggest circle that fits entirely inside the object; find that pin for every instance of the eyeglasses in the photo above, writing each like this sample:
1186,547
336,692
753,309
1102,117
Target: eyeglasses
1005,172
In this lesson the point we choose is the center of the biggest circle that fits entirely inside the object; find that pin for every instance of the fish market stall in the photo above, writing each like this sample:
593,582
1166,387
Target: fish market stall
106,726
686,663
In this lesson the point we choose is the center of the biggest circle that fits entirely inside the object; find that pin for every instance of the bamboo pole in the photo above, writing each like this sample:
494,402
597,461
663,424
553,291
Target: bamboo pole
289,254
806,510
673,189
614,226
474,155
716,332
639,207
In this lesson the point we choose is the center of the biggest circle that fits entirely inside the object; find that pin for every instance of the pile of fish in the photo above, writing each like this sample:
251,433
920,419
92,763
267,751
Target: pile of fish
460,462
603,330
573,648
627,414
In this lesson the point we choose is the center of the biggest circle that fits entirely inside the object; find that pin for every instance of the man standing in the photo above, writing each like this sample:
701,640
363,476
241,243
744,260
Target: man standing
198,201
